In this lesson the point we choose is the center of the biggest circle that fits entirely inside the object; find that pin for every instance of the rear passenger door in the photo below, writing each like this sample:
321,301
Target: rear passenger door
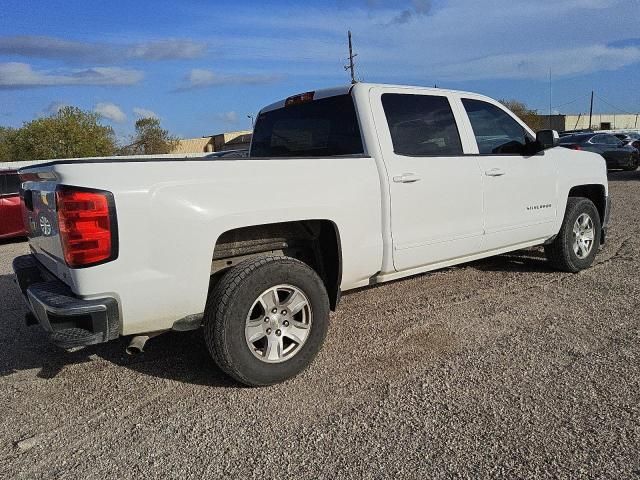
11,221
519,187
613,148
4,208
435,191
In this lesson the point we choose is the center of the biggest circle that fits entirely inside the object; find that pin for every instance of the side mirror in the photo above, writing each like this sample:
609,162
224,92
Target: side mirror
547,139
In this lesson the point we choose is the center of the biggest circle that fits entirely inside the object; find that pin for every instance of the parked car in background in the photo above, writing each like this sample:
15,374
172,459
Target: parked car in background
11,218
632,139
614,150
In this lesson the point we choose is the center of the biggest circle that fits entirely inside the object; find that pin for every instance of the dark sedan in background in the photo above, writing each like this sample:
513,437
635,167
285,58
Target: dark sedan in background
11,220
614,150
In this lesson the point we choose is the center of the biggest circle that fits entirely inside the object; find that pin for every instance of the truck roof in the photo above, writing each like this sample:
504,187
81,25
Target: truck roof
344,89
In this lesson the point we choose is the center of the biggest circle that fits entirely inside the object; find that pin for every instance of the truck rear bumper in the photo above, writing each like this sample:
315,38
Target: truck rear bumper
70,321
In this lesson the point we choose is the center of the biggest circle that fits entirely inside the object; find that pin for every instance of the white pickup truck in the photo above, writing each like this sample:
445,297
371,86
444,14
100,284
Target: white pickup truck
344,188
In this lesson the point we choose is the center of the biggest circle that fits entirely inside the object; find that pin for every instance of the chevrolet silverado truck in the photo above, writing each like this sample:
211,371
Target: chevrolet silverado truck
344,188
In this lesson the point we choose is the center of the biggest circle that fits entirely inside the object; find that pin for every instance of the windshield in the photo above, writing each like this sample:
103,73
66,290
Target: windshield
325,127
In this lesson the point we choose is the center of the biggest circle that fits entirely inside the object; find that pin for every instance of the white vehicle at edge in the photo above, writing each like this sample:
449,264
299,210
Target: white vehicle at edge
344,188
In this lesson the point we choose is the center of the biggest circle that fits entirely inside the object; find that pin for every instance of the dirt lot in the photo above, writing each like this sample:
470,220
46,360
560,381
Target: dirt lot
499,368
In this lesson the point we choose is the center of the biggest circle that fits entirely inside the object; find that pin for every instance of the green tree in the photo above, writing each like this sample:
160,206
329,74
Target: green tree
150,139
7,144
69,133
528,116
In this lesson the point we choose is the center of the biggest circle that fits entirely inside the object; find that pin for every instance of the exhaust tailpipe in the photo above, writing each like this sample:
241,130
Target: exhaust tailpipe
137,343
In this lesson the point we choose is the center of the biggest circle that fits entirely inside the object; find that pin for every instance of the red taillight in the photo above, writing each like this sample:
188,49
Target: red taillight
86,220
574,147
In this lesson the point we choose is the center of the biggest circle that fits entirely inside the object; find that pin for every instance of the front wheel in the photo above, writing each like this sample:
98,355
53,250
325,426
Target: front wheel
577,243
266,319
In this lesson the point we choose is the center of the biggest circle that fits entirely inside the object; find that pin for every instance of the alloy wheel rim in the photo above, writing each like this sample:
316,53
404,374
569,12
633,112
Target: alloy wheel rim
583,236
278,323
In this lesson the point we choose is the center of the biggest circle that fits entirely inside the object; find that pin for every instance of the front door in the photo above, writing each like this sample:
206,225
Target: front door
435,191
520,197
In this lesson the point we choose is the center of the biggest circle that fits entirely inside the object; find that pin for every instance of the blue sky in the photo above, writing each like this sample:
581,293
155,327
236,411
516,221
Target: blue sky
203,66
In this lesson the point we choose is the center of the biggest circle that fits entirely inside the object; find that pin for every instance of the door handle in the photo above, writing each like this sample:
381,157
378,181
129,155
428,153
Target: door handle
406,178
494,172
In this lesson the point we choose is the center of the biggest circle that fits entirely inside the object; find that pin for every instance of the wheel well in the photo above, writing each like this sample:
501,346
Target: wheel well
595,193
315,242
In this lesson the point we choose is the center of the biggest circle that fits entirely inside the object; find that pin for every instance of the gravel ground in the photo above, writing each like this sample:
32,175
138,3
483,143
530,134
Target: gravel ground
498,368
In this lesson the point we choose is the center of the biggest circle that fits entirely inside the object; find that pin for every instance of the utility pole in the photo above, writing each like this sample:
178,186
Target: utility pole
351,57
591,110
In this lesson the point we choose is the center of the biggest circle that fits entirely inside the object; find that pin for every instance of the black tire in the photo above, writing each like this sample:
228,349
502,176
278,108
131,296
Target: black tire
561,253
229,303
633,166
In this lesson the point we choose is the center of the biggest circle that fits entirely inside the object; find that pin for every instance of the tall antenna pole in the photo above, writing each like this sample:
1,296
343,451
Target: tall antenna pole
591,110
351,66
550,97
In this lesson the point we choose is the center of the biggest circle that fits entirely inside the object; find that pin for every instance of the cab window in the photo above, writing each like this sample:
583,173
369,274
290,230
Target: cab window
421,125
324,127
496,131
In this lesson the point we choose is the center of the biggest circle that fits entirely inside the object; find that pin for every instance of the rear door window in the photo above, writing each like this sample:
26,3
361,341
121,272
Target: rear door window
421,125
611,140
495,130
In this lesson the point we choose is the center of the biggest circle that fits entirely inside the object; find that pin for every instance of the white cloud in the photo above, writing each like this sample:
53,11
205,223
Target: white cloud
53,108
145,113
420,7
168,49
22,75
202,78
562,62
506,39
110,111
33,46
230,118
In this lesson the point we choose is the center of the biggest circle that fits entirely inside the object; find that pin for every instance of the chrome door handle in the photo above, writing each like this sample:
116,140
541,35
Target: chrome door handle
494,172
406,178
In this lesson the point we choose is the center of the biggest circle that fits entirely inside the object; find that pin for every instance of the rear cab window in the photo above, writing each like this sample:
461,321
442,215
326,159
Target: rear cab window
496,131
318,128
421,125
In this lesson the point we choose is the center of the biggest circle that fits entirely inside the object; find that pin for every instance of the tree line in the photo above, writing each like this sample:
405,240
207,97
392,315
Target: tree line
75,133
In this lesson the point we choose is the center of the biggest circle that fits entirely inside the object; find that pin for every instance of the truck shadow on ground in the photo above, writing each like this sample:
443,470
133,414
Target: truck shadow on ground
173,356
525,261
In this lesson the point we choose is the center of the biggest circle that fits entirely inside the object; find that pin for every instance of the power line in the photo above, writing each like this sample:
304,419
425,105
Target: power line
613,106
569,103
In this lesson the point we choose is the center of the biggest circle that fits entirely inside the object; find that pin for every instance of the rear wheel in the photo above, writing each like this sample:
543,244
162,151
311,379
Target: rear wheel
633,165
266,319
577,243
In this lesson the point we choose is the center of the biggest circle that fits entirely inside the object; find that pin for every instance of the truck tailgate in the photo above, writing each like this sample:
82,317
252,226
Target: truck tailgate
41,219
